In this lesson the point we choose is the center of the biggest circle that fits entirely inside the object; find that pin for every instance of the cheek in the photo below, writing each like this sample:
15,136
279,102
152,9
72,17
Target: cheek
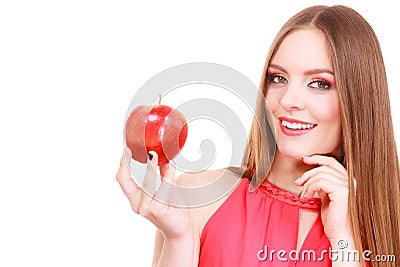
329,116
271,100
329,111
272,107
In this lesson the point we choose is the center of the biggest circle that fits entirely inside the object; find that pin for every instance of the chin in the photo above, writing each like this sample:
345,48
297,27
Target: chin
299,154
290,153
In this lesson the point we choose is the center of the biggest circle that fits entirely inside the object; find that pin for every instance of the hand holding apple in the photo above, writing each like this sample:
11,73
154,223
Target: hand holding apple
158,128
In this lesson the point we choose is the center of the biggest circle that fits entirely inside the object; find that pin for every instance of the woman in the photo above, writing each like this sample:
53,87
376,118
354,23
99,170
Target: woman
333,185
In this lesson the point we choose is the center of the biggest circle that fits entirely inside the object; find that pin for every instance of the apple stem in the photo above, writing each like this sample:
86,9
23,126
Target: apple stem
159,99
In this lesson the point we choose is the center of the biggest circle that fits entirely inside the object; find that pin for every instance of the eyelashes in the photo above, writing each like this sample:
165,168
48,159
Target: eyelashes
320,84
279,80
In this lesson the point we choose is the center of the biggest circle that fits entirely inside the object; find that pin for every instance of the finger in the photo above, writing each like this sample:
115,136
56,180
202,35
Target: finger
168,185
324,183
169,192
322,169
167,172
125,159
127,155
325,161
123,175
149,181
324,197
128,185
333,190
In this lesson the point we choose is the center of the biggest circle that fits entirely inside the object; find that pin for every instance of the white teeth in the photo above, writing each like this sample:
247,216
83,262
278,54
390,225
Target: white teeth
297,126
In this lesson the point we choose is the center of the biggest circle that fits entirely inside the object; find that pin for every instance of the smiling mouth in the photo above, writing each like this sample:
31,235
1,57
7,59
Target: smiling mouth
293,127
297,125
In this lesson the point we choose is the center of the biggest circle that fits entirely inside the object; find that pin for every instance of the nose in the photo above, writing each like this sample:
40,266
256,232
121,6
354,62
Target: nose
292,97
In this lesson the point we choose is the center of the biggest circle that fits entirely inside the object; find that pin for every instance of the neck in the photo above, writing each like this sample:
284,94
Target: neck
285,170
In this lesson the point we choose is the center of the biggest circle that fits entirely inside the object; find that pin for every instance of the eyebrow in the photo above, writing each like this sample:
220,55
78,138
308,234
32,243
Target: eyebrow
307,72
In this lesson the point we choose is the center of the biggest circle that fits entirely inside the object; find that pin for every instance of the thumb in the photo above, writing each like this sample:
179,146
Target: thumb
126,158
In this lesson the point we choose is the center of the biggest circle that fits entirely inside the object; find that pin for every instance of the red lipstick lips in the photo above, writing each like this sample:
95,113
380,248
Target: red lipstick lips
292,127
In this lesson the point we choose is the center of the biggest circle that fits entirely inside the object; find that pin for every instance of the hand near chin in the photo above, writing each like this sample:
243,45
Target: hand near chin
330,180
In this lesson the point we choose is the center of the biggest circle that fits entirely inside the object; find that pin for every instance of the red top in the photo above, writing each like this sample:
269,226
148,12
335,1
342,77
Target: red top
260,229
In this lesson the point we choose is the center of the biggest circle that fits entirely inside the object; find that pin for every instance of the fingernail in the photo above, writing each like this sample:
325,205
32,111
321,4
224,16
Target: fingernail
150,156
306,157
305,195
297,180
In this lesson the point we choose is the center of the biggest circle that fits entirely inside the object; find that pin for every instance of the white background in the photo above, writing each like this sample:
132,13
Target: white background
68,71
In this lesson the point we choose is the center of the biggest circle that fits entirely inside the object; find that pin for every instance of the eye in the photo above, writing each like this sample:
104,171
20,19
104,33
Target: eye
278,79
319,85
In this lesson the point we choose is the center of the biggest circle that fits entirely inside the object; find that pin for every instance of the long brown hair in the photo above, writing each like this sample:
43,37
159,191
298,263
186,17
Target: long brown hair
368,146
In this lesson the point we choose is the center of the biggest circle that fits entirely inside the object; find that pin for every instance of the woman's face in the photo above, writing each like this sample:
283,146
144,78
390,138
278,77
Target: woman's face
302,96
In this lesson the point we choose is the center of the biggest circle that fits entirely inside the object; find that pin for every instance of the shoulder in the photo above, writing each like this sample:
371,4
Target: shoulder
200,215
197,179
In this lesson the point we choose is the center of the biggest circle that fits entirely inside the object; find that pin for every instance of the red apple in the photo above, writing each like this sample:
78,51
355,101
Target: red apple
158,128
